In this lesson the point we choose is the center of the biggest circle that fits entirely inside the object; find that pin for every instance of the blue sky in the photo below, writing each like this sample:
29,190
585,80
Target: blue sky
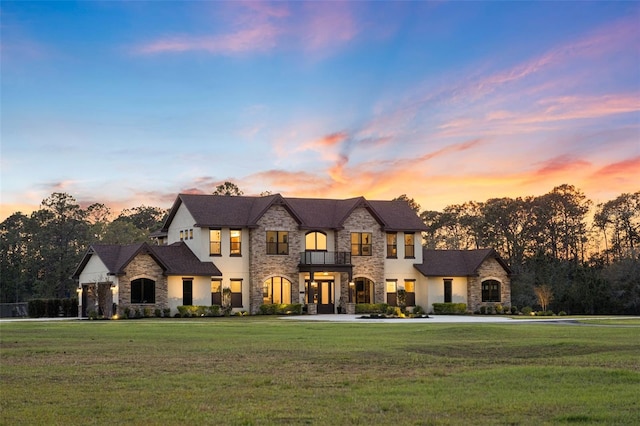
130,103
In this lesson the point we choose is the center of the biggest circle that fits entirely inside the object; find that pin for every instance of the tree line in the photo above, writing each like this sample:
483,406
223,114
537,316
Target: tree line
586,255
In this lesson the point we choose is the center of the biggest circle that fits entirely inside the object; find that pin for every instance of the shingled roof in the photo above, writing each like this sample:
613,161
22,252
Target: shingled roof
174,259
216,211
456,263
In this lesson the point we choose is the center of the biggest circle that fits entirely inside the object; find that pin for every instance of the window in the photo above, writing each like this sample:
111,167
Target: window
491,291
361,243
214,242
409,247
191,234
276,290
410,292
235,241
187,291
216,292
315,241
364,290
392,295
392,245
277,242
143,290
447,290
181,235
236,293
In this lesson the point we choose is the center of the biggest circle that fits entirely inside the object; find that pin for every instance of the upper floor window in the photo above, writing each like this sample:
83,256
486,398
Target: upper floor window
409,247
361,243
315,241
214,242
277,242
143,290
235,242
392,245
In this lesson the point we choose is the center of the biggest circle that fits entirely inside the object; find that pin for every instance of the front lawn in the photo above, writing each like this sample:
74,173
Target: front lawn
263,370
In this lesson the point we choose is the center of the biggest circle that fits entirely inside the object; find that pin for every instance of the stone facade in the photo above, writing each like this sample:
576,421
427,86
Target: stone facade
490,269
142,266
263,266
371,267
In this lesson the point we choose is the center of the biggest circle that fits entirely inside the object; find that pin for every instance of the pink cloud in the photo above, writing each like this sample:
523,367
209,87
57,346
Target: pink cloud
259,38
326,25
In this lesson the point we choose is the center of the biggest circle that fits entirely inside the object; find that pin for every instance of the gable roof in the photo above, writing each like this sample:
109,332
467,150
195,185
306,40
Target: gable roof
456,263
174,259
217,211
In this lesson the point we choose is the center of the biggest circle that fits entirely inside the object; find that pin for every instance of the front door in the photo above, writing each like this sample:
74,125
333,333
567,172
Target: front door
323,295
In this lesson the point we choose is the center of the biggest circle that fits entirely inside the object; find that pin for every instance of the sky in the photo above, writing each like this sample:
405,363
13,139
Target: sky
129,103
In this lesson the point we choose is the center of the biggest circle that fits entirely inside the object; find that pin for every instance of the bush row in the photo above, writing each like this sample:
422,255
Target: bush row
281,309
49,308
188,311
450,308
371,308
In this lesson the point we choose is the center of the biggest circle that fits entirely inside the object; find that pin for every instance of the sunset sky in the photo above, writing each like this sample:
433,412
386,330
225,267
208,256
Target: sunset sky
129,103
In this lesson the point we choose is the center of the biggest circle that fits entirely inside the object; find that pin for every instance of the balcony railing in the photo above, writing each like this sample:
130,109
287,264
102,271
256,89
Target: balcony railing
325,258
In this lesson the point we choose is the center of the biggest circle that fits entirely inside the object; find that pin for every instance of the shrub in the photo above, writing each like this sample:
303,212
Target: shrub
157,312
395,311
526,310
166,312
213,311
373,308
514,310
281,309
450,308
127,312
499,308
418,310
483,310
146,312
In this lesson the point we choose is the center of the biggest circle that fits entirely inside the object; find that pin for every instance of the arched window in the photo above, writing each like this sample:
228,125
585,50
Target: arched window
490,291
362,291
143,290
276,290
316,241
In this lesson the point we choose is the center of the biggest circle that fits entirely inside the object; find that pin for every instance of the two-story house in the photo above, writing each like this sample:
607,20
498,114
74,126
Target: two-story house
327,254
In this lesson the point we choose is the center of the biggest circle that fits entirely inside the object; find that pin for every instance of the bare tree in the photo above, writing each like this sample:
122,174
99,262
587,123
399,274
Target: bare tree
544,293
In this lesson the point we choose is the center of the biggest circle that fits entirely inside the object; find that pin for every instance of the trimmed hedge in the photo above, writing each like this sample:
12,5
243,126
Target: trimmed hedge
188,311
450,308
50,308
371,308
281,309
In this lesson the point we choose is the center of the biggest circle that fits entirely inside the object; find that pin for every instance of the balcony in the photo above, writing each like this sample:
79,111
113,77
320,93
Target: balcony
325,258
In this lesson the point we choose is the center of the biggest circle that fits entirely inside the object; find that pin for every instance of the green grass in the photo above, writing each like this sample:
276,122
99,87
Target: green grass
262,370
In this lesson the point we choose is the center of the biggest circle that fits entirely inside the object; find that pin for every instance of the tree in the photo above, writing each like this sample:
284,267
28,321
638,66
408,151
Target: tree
620,218
410,201
544,294
14,240
59,238
228,189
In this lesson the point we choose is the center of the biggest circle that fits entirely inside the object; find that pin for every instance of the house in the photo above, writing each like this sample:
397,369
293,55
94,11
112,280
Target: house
326,254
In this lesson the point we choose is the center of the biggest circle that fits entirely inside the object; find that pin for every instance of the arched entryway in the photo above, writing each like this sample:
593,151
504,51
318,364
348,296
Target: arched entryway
363,291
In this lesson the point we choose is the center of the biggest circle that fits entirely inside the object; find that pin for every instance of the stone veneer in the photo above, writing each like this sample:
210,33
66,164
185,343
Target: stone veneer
263,266
142,266
490,269
371,267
